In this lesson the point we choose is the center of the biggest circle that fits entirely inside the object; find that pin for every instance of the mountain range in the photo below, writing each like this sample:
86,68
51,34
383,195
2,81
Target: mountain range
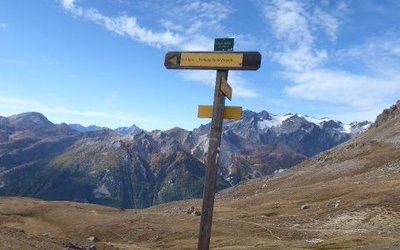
121,130
343,198
133,168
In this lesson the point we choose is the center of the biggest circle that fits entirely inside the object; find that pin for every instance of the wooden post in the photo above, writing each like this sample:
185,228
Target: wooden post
212,163
214,144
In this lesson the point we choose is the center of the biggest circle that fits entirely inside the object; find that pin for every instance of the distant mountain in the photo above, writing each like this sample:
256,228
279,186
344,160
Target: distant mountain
121,130
30,137
84,129
55,162
263,143
139,169
30,124
128,130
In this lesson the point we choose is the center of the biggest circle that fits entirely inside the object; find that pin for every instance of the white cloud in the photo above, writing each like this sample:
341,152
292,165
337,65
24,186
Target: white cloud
385,46
188,26
376,84
68,3
207,77
301,58
194,17
245,42
28,105
295,25
169,25
349,116
20,103
329,23
198,21
289,21
198,43
333,86
292,23
239,85
3,25
206,15
124,26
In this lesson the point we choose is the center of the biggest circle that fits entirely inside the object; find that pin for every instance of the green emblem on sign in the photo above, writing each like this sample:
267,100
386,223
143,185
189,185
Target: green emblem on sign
223,44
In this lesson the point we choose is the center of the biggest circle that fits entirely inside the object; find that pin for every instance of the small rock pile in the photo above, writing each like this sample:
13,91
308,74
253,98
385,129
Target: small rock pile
193,211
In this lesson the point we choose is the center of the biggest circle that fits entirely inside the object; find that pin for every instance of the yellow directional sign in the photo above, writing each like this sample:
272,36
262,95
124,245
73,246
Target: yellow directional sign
226,60
226,89
234,113
213,60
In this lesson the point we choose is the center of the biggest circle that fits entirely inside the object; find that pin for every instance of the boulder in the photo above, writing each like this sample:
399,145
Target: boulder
305,206
92,239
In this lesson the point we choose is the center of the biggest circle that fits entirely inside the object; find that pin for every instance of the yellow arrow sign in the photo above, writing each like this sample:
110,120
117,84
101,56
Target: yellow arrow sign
226,89
234,113
237,60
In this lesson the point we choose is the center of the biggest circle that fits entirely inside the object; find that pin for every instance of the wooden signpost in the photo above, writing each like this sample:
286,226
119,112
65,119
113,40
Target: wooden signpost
222,59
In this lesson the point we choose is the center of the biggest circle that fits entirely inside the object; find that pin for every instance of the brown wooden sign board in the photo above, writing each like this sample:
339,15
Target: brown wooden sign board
226,89
213,60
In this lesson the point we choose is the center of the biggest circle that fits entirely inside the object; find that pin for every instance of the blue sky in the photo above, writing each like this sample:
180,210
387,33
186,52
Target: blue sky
101,61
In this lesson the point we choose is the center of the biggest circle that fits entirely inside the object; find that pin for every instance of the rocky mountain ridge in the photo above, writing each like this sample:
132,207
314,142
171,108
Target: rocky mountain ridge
120,130
263,143
56,162
388,114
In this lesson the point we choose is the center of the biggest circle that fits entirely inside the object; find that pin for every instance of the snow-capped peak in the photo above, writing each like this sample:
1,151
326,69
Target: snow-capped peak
317,121
277,120
267,122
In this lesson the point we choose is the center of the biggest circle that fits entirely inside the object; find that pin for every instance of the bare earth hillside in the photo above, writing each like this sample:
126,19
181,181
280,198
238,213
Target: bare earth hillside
347,198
